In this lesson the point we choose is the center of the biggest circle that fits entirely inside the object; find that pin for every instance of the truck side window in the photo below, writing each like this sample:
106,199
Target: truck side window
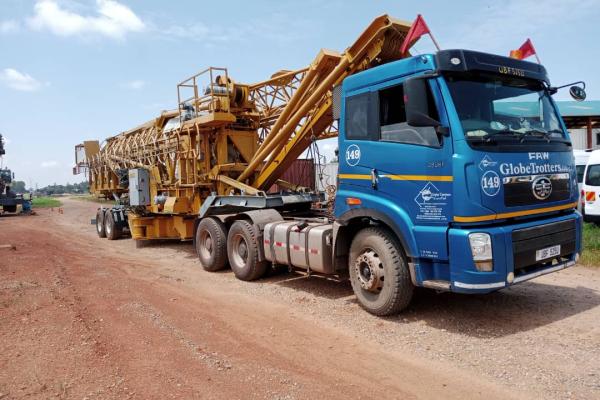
392,117
357,111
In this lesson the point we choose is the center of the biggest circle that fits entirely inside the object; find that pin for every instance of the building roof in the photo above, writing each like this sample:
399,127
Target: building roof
576,114
580,114
588,108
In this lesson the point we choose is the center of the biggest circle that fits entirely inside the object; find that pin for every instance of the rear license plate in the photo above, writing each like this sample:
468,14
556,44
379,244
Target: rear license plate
548,252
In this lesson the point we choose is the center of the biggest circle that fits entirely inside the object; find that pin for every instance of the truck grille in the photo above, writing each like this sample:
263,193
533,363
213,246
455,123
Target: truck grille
527,241
532,189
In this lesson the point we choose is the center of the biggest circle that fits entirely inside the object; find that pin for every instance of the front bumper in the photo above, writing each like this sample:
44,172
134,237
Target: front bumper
512,252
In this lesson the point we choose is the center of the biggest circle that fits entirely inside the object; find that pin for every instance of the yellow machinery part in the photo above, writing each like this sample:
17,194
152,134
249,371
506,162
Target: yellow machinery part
230,137
161,227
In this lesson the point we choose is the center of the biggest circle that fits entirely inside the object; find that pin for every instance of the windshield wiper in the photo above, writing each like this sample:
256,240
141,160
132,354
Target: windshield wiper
545,134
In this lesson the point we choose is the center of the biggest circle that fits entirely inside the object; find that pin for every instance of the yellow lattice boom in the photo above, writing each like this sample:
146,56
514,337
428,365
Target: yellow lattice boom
226,137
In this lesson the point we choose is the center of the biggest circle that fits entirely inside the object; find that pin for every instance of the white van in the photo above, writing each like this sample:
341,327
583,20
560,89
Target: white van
591,188
581,159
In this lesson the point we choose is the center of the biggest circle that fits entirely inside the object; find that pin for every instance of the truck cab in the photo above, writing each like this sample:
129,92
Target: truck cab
465,159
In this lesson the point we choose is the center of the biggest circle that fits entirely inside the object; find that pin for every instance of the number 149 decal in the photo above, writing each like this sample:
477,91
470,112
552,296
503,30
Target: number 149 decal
490,183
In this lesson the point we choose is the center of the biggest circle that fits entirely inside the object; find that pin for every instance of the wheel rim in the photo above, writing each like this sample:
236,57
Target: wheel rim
206,245
98,225
369,271
239,250
107,227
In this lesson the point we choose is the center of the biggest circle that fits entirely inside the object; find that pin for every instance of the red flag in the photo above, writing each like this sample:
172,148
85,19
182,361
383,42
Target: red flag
526,50
417,29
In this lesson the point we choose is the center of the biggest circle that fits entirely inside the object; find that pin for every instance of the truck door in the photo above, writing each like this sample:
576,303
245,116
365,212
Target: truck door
400,166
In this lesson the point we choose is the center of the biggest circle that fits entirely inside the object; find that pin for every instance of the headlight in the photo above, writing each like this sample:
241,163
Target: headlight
481,249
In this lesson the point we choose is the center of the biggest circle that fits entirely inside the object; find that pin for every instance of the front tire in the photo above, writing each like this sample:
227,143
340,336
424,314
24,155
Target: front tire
100,224
242,250
379,272
211,244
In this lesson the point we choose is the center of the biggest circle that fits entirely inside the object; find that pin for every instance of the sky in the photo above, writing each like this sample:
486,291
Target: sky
74,70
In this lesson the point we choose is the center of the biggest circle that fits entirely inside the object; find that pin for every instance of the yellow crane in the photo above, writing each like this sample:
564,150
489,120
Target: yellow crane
224,137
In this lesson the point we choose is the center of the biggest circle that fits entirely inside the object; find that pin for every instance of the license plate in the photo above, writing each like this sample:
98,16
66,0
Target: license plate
548,252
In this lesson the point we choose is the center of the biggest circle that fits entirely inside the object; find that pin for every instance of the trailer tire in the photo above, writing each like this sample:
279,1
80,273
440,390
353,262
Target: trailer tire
100,224
10,209
379,272
242,251
113,230
211,244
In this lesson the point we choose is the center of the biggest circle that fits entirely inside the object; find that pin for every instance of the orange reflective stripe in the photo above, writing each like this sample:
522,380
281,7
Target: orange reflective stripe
491,217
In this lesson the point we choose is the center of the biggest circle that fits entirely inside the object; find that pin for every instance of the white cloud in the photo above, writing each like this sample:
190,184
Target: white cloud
9,26
19,80
49,164
135,84
113,20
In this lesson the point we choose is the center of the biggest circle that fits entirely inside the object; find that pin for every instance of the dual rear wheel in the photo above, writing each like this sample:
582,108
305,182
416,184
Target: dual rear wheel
216,248
106,227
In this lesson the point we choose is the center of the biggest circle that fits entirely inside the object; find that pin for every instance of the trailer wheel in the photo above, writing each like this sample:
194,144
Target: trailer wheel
211,244
10,209
379,272
242,250
113,230
100,224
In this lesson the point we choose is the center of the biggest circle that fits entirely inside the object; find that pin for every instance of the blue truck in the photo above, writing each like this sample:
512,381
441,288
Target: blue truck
456,173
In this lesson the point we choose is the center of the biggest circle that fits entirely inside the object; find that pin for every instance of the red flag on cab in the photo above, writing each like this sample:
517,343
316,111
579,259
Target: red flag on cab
526,50
417,29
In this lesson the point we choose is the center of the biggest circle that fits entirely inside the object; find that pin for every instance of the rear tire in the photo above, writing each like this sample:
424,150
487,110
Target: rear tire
100,224
10,209
379,272
242,250
112,229
211,244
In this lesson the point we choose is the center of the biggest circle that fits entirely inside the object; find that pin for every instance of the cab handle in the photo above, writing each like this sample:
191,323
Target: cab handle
374,179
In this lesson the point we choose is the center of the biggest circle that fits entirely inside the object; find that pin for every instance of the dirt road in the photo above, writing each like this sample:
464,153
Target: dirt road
83,317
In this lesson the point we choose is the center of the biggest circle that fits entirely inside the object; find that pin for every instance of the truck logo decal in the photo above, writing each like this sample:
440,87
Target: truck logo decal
486,162
541,188
352,155
431,202
490,183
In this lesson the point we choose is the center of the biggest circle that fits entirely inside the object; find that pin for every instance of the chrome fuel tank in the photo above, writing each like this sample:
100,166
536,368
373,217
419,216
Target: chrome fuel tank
299,244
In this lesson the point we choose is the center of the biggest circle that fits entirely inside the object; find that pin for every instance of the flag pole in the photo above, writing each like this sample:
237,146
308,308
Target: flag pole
537,58
437,46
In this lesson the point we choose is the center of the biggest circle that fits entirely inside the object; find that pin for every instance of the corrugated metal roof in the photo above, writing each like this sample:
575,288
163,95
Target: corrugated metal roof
588,108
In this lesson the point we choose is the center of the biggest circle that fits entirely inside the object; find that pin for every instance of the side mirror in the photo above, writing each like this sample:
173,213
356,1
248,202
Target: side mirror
577,93
417,104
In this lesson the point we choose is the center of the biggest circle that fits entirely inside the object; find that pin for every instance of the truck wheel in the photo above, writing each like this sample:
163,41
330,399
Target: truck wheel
211,244
379,272
100,224
242,250
113,230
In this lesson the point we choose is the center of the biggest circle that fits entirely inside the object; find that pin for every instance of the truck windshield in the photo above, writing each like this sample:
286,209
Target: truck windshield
494,108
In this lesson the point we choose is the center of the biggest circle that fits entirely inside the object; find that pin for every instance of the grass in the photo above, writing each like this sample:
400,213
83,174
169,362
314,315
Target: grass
591,245
45,202
92,198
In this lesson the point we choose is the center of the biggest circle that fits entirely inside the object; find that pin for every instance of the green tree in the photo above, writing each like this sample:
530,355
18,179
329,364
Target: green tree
18,186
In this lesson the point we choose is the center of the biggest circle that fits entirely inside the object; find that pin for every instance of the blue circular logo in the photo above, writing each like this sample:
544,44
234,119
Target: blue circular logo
352,155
